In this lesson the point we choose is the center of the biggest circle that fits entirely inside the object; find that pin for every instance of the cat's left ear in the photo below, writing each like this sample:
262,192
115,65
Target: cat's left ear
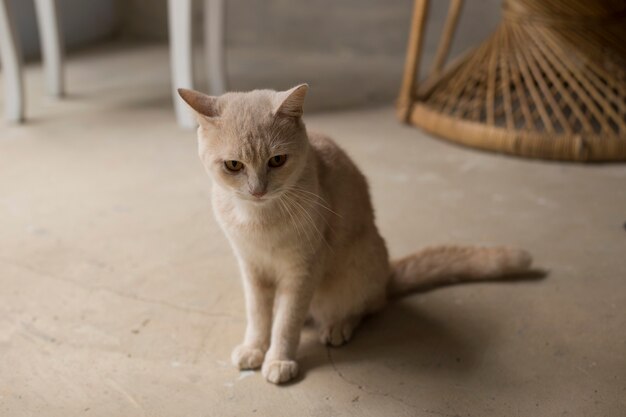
291,102
204,105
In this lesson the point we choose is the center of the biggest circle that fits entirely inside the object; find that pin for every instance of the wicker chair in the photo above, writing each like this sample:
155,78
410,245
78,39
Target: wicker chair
549,83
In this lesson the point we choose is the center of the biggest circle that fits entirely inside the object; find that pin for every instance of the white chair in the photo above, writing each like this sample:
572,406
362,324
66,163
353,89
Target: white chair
51,46
11,61
11,56
179,16
181,51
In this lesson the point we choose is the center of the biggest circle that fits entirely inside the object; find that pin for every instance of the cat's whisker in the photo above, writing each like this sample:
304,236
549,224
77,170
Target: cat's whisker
295,187
297,222
309,195
313,206
298,208
281,207
293,220
317,203
310,220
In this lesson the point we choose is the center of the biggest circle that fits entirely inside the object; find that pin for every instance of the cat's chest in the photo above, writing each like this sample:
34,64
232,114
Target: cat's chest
252,231
271,249
265,238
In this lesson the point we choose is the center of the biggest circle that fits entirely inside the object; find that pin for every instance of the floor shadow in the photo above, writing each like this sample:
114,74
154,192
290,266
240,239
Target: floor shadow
407,336
401,335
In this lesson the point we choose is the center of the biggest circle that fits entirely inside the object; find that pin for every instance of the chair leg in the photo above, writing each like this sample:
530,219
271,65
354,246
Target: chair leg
11,58
179,17
452,21
214,22
51,45
412,63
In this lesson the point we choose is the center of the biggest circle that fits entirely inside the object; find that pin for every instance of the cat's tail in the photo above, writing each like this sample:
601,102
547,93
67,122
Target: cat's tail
443,265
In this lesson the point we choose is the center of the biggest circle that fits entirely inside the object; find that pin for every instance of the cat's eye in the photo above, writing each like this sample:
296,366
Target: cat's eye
233,166
277,160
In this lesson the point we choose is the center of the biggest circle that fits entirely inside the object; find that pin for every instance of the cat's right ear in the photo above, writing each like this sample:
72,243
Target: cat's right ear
205,106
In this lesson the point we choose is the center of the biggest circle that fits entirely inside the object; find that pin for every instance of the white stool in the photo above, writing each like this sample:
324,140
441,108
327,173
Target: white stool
179,15
11,56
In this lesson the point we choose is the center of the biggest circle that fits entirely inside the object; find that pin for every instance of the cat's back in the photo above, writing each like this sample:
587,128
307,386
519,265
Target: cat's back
332,158
340,179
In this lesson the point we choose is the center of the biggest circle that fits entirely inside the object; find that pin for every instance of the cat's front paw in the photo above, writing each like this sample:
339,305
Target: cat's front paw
247,357
279,372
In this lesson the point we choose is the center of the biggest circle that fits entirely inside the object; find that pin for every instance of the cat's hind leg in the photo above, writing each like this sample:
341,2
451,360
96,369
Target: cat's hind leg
338,309
354,287
338,332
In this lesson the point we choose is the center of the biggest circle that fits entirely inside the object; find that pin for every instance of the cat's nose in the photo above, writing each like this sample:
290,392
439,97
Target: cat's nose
258,194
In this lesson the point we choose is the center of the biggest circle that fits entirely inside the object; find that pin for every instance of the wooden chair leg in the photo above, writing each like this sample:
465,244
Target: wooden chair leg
11,57
179,17
214,22
449,28
51,46
413,54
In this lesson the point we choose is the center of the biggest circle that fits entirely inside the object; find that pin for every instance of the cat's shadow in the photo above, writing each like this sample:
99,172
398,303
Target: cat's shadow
400,334
409,337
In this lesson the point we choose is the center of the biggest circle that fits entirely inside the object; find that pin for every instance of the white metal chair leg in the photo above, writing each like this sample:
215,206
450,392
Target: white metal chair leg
214,17
11,59
179,16
51,46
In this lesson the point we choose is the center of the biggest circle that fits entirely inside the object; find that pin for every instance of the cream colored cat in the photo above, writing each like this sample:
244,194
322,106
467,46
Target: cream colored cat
298,215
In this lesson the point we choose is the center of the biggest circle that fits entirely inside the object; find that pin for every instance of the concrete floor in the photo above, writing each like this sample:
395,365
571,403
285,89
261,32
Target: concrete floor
119,296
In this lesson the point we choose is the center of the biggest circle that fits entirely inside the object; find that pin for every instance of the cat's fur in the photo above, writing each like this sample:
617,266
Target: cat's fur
304,233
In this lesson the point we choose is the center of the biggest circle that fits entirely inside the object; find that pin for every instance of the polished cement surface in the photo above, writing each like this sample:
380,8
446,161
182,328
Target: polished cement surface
119,295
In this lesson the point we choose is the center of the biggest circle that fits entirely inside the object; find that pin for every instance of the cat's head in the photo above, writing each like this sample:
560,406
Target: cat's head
252,144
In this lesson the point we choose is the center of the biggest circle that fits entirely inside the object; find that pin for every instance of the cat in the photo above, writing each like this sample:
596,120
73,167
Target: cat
299,218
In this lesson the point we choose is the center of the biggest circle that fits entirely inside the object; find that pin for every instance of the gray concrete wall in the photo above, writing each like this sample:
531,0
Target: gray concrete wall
355,26
353,50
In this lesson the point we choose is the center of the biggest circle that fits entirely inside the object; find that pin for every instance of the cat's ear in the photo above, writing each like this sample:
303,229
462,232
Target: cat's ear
205,106
291,102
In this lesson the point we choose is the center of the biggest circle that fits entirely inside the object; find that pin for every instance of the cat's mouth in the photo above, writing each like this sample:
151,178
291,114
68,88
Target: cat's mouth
257,200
